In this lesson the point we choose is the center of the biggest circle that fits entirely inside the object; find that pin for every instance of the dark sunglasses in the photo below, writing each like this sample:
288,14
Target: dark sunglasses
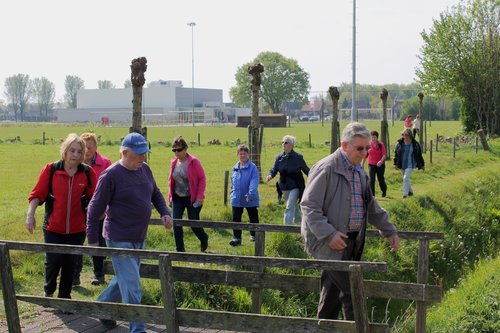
177,150
285,142
361,148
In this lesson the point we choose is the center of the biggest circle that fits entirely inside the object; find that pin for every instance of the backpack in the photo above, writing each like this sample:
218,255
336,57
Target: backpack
49,202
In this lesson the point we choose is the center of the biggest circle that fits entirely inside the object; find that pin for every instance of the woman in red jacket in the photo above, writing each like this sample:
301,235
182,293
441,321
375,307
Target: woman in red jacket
65,187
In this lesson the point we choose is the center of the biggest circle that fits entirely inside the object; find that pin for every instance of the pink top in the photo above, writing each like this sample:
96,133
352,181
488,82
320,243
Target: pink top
196,179
376,152
408,123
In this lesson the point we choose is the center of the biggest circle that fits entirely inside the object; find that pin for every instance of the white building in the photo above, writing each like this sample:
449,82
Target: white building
162,101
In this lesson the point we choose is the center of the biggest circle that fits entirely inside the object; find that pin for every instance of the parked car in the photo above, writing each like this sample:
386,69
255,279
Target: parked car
314,118
304,118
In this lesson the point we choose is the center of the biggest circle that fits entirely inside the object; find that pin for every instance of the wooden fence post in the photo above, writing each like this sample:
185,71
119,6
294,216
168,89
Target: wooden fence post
437,140
199,140
454,148
358,298
430,153
226,185
43,138
310,143
9,291
422,277
477,143
168,293
260,238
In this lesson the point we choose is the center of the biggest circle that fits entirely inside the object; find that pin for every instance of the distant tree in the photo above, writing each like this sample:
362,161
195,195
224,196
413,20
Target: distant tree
283,80
127,84
45,92
460,56
18,90
72,84
105,84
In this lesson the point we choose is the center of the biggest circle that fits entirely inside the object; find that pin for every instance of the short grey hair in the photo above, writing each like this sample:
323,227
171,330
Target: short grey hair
355,129
289,138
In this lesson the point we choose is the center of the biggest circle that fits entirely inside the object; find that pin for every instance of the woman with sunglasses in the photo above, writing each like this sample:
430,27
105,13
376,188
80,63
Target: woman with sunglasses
408,156
290,166
187,183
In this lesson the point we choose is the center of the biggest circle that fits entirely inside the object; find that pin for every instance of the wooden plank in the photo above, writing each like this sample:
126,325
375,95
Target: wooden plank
287,228
205,258
221,320
168,293
289,282
259,252
9,291
359,299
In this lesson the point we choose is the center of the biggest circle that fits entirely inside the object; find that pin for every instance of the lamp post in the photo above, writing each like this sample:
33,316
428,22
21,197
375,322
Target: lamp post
192,24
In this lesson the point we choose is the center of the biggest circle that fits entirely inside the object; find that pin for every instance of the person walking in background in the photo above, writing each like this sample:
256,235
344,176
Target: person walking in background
125,193
99,163
408,122
376,156
333,228
416,126
290,166
408,156
244,192
187,183
65,187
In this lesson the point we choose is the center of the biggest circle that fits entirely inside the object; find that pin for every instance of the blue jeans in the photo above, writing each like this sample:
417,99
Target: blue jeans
406,181
292,209
126,284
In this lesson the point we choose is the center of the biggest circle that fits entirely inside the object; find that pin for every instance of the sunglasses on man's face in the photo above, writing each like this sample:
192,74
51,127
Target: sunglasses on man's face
360,148
177,150
285,142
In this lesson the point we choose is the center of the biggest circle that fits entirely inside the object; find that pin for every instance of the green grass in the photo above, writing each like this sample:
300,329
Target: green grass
459,196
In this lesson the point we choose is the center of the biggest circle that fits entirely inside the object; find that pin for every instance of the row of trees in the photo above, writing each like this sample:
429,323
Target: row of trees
20,91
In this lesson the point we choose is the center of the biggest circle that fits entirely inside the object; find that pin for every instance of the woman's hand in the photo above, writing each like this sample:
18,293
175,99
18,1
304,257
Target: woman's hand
30,223
268,178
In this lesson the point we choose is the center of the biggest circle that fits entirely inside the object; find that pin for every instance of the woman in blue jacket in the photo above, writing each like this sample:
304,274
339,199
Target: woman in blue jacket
244,192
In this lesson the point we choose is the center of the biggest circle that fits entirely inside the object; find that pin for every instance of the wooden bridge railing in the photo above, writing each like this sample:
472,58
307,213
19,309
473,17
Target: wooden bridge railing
420,292
174,317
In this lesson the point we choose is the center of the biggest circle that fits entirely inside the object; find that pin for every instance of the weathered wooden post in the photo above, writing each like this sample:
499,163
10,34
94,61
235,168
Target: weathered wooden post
423,128
422,277
168,292
226,185
138,67
430,152
43,138
335,135
9,291
384,126
454,147
310,142
437,140
256,71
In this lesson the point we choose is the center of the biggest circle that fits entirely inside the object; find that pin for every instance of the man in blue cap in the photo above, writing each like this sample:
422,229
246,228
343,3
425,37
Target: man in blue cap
125,192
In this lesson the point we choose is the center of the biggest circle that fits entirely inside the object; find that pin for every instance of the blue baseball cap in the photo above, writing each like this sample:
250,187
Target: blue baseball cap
136,142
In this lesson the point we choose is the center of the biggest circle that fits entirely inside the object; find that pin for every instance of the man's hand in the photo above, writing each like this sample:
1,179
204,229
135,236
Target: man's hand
337,242
268,178
30,223
394,241
168,222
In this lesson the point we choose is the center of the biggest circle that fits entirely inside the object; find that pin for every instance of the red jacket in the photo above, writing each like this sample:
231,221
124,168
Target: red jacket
196,179
68,216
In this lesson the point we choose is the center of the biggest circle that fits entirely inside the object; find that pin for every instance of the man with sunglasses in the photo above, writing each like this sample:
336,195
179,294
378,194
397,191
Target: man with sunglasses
336,205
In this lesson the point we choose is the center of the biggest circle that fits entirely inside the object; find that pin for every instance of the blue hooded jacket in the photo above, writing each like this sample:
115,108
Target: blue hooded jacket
244,183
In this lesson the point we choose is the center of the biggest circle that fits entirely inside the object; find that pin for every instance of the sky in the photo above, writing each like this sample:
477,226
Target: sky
97,39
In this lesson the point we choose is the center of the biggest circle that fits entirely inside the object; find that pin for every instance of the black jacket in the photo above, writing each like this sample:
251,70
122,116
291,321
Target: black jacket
290,167
417,154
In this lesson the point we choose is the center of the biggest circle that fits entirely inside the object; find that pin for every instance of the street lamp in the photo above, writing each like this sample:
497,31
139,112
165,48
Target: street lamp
192,24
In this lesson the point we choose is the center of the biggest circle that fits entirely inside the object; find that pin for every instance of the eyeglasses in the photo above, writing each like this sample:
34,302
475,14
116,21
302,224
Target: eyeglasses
285,142
177,150
360,148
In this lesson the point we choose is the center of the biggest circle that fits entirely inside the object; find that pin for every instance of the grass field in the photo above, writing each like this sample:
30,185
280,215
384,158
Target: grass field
446,176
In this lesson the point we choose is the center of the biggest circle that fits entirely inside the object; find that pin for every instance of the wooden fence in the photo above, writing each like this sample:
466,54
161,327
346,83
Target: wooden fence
257,279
